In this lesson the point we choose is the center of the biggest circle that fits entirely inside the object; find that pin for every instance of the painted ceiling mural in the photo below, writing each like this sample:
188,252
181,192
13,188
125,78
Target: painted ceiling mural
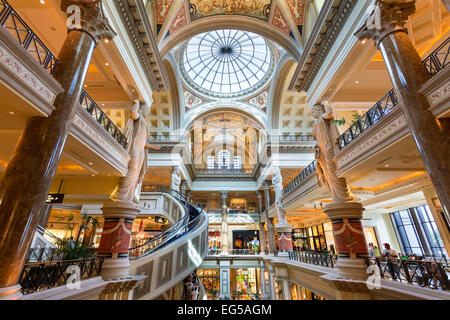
253,8
162,8
279,13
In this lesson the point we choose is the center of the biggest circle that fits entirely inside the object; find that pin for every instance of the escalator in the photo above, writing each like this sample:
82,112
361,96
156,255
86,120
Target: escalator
170,257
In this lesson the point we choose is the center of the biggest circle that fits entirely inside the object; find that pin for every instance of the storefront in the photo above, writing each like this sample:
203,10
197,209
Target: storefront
245,284
300,293
314,238
214,240
246,239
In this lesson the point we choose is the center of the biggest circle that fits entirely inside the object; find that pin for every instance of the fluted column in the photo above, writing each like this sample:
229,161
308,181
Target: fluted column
262,233
269,224
386,27
224,231
29,174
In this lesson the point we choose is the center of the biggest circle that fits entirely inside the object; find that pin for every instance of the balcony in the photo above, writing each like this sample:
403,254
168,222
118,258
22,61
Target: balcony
434,63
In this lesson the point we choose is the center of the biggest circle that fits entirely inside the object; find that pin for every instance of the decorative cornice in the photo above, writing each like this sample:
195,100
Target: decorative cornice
332,19
133,14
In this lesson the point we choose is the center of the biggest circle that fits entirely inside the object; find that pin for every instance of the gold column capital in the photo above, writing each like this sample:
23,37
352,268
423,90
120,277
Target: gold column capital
387,17
88,16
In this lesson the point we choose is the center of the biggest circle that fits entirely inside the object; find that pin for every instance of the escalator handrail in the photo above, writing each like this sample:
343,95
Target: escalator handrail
174,230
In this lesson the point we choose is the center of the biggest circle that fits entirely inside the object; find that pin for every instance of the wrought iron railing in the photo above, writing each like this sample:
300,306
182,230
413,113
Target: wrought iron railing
50,254
379,110
189,221
302,176
18,28
91,107
434,63
438,60
41,276
426,273
319,259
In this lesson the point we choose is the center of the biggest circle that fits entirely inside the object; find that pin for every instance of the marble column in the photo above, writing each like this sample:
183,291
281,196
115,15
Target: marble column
349,239
224,232
262,235
269,224
408,75
30,172
272,284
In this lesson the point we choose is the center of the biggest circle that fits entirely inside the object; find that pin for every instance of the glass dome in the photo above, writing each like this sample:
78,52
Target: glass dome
227,63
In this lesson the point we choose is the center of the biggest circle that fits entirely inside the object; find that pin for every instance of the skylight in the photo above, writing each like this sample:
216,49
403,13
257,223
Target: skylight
227,63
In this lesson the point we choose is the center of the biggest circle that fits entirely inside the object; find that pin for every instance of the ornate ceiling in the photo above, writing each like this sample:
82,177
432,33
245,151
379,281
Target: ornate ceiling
169,16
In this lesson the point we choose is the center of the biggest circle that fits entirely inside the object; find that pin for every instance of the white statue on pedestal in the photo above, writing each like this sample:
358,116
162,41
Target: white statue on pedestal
176,179
326,134
136,132
277,181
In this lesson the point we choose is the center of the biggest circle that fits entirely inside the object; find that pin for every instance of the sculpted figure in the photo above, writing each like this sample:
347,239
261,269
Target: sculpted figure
277,181
176,179
325,132
136,132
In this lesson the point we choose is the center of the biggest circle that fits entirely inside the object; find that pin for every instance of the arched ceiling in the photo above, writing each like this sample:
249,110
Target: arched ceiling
278,20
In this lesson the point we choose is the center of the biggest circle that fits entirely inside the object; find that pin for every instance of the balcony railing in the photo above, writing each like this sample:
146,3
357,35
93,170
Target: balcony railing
41,276
224,171
102,118
426,273
17,27
282,138
438,60
163,138
319,259
434,63
379,110
302,176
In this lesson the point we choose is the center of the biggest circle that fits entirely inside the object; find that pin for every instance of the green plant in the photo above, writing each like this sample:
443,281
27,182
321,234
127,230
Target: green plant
70,249
340,122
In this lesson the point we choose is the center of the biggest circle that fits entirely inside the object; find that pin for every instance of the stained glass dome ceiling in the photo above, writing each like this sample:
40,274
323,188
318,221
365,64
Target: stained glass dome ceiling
227,63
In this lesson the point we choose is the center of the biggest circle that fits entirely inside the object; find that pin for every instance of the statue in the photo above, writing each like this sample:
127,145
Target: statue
136,132
176,179
326,134
277,181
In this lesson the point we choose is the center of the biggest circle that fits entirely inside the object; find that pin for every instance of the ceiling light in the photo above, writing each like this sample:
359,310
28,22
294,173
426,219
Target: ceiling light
364,41
85,85
91,164
387,165
106,41
356,82
107,64
11,113
93,175
42,2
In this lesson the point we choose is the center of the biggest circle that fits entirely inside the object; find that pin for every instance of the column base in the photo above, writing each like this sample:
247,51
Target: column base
11,293
113,269
352,268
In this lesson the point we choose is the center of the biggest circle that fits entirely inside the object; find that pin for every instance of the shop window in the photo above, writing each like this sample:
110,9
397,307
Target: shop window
211,163
237,163
407,232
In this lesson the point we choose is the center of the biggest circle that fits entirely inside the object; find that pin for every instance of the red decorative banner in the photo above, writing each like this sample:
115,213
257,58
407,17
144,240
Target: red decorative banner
349,237
285,241
115,237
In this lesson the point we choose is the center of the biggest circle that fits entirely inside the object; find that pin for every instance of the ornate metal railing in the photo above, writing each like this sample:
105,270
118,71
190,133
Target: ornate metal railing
88,104
426,273
17,27
281,138
302,176
372,116
434,63
319,259
41,276
50,254
438,60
